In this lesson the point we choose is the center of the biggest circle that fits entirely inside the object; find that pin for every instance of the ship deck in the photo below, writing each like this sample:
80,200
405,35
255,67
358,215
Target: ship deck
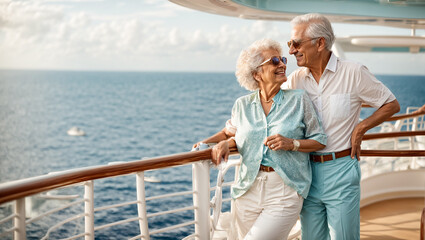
392,219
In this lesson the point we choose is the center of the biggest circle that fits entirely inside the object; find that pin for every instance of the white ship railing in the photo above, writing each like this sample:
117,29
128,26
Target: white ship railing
205,224
388,139
18,191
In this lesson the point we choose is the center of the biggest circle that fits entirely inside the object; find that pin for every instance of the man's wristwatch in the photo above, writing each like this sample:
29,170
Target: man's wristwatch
296,145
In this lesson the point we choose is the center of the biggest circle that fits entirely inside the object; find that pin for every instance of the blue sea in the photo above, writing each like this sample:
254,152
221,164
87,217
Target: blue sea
126,116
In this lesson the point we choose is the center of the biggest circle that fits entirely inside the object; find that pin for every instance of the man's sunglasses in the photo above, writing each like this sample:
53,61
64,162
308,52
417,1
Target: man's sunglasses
297,44
275,60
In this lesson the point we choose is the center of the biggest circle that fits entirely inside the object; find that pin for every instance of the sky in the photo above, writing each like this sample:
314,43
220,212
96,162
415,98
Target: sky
153,35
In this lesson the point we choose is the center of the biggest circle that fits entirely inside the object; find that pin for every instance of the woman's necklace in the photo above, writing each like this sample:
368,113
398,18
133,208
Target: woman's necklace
267,101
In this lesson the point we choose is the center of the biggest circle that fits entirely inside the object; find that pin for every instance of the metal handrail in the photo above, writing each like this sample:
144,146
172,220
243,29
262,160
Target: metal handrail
53,211
26,187
114,206
392,153
173,227
171,211
116,223
404,116
372,136
75,237
8,231
10,217
169,195
398,116
46,236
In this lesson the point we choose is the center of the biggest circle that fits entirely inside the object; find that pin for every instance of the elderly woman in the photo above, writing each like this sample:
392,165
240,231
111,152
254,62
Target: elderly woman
275,130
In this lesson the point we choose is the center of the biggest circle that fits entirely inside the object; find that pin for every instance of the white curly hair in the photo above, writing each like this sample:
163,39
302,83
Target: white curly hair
249,60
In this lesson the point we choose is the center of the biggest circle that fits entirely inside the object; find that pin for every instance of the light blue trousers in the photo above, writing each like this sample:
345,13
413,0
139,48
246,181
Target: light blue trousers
332,208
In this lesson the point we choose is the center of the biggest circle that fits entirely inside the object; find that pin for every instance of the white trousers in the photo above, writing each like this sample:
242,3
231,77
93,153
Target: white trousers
268,211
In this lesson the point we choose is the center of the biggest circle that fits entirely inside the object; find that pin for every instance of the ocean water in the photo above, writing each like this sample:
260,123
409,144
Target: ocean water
126,116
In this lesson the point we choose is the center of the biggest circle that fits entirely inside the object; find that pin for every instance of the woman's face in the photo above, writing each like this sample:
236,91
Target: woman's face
272,74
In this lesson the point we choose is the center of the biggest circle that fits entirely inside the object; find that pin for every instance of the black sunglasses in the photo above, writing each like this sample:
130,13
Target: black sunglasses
275,60
297,44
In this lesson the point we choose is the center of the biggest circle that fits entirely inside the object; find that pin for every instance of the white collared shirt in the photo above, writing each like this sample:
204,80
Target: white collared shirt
337,99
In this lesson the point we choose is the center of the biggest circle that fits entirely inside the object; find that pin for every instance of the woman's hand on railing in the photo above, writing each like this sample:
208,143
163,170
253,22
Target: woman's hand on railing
196,145
220,152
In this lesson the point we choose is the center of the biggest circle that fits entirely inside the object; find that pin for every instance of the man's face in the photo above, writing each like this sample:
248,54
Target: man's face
302,48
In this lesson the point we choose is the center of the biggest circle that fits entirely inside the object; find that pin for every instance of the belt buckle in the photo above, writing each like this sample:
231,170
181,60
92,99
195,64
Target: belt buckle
321,158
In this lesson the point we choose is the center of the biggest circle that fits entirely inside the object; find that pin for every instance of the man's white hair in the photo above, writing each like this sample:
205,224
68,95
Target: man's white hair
318,26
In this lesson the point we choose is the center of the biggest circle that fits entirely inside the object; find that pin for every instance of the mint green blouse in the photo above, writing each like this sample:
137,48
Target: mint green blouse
292,115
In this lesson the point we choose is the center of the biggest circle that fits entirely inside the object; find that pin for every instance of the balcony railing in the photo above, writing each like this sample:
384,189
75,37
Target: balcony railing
18,191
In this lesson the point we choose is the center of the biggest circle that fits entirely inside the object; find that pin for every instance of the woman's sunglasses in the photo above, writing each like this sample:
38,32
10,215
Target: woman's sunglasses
275,60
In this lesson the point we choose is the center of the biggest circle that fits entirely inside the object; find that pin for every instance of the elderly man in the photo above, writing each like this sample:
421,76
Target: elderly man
337,88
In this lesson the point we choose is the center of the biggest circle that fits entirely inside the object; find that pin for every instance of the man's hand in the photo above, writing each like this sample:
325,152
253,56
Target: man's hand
379,116
356,141
420,110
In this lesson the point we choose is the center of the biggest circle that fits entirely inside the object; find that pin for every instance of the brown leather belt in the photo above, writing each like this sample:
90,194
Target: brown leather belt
329,157
266,169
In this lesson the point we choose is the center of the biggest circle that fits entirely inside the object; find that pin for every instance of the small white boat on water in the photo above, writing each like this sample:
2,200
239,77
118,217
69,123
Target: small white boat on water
75,131
393,167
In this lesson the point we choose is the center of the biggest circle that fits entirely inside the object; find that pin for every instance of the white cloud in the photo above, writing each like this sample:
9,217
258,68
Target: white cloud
39,32
37,35
30,17
174,37
67,1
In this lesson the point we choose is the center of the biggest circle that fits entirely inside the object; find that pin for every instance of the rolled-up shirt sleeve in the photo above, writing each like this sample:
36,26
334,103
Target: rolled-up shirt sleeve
371,91
230,127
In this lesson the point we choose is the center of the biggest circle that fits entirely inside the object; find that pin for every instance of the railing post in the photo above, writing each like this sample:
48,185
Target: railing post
141,205
423,225
89,210
19,221
201,198
413,143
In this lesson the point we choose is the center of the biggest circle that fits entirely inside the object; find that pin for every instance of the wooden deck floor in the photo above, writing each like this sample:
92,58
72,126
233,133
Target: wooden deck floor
392,219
